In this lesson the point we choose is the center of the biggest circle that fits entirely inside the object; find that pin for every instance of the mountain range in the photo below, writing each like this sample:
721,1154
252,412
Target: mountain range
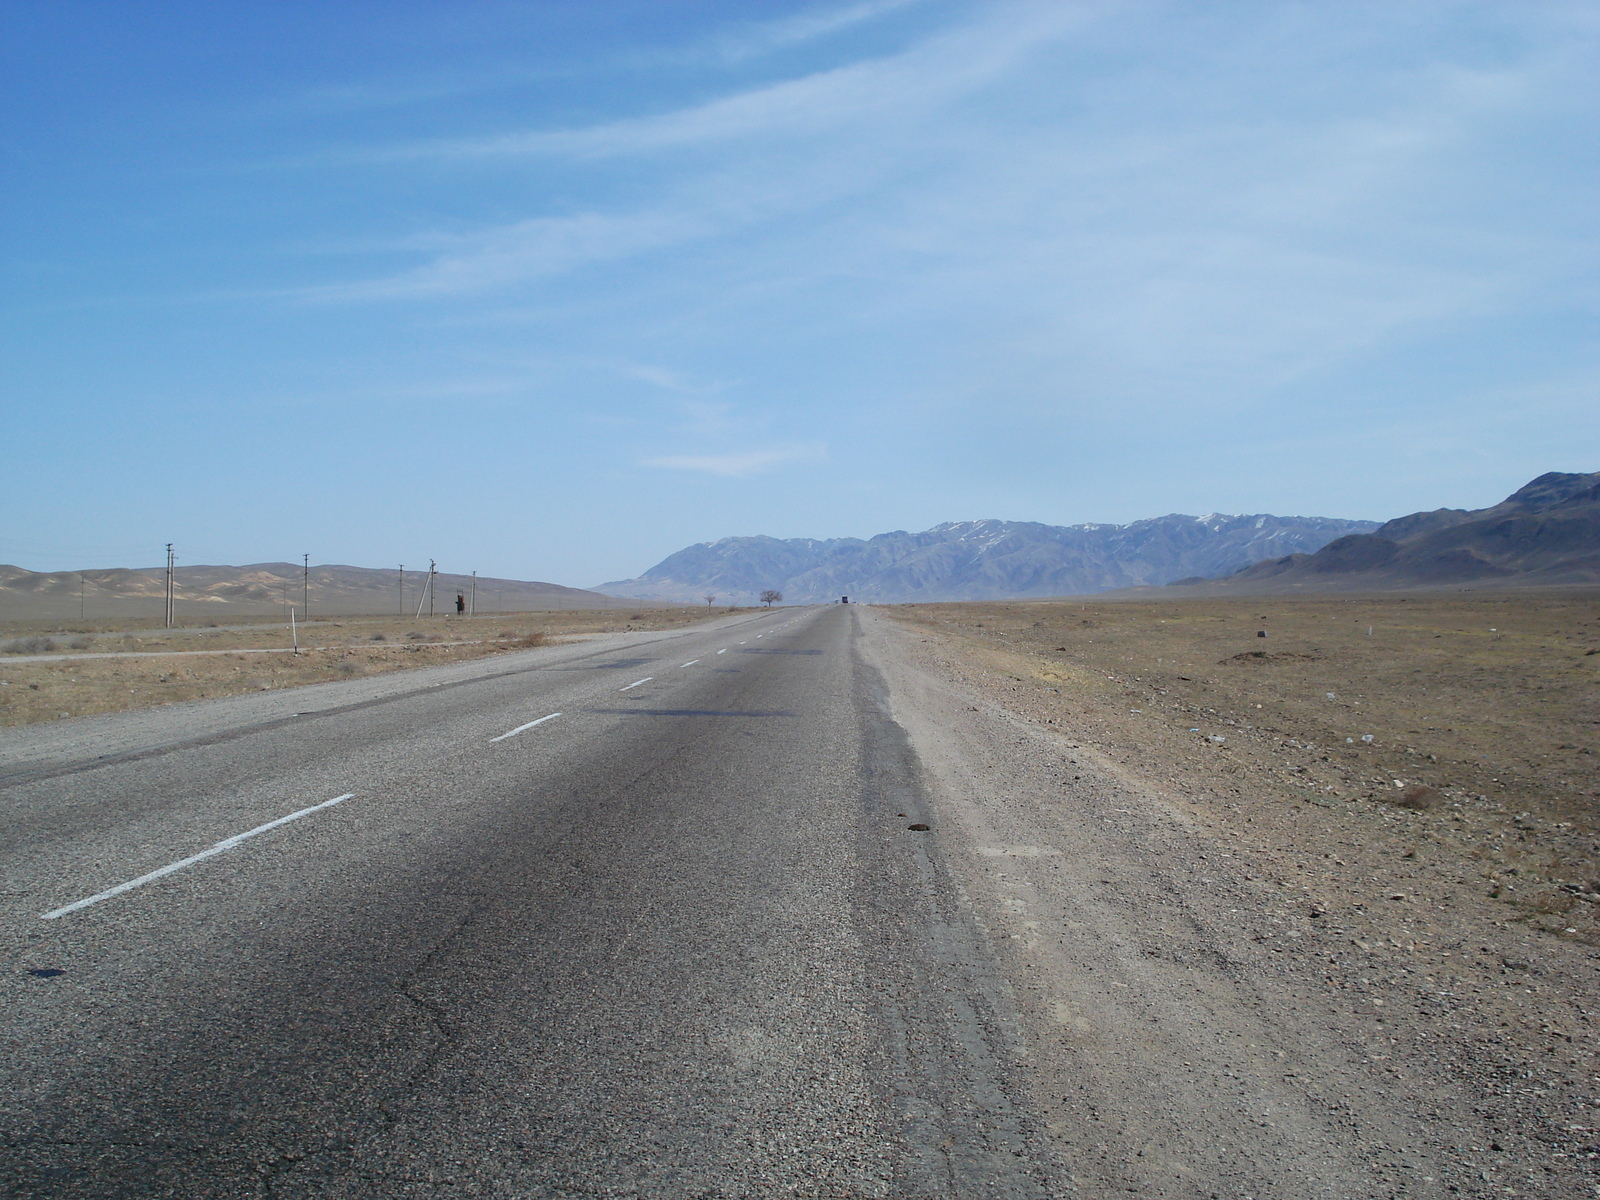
981,560
1545,533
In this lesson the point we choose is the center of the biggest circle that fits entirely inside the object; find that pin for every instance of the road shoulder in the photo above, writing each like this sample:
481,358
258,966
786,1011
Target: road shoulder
1205,1014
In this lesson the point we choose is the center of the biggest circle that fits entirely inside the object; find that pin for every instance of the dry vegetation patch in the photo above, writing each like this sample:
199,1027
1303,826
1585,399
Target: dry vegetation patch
111,670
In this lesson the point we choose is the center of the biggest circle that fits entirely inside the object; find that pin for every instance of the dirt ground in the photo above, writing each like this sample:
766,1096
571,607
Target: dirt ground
159,666
1401,796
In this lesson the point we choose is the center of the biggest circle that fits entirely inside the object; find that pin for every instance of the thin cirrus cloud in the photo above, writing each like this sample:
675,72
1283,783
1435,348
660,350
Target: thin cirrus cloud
737,465
769,36
895,88
531,249
859,113
1169,237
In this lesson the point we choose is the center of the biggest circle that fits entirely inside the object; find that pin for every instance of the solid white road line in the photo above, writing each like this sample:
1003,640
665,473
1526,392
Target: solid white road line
225,844
520,728
690,663
636,683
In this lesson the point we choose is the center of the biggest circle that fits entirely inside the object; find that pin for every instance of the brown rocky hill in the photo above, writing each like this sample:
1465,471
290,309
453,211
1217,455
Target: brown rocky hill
1546,533
222,593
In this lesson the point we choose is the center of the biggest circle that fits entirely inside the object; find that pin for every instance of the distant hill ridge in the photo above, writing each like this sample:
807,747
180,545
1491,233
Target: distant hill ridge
981,560
265,588
1546,533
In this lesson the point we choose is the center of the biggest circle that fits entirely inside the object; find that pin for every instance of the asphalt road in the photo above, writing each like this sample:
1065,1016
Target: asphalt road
675,941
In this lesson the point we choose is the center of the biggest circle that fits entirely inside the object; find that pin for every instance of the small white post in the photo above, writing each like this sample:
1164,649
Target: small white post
293,631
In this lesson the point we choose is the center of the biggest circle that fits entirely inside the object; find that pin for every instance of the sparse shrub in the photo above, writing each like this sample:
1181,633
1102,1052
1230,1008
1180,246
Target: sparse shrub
414,636
348,667
377,637
82,642
30,645
527,641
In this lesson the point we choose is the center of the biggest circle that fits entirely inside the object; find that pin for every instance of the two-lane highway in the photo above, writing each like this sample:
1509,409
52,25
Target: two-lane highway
643,921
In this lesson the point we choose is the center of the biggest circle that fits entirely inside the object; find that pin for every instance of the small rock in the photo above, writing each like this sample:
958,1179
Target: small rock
919,827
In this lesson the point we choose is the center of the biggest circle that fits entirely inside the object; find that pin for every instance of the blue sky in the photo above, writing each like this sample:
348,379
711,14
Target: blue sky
550,290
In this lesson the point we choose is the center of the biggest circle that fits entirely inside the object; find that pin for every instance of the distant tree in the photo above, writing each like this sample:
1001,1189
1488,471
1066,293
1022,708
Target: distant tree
710,598
771,597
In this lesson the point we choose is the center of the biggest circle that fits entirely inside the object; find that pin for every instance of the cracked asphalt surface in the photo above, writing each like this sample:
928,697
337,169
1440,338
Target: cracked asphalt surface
677,941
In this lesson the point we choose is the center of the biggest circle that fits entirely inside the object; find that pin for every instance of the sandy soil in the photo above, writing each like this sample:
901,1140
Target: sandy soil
1245,967
160,667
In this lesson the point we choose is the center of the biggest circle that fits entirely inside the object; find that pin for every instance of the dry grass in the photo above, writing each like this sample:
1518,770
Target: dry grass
81,684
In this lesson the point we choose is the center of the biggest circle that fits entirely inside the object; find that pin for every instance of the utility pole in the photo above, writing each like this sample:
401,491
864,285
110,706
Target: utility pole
402,609
305,585
427,592
169,586
472,605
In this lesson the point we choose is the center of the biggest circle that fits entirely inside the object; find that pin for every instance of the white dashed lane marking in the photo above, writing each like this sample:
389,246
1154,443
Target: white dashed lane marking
225,844
636,683
520,728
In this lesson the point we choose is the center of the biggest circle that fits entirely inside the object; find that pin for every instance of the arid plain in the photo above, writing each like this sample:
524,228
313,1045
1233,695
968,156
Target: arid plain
1400,794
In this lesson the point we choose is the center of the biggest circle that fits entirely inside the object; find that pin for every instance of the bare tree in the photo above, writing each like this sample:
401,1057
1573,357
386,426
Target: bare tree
771,597
710,598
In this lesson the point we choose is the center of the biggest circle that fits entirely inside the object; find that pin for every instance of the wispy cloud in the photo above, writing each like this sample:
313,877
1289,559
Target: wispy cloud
859,96
769,36
1210,230
531,249
737,465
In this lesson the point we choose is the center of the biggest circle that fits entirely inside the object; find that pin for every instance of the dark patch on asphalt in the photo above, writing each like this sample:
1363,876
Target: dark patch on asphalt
689,712
918,827
764,650
46,972
620,663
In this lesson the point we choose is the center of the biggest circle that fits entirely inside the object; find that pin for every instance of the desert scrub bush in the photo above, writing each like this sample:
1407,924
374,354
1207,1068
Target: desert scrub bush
30,645
82,642
527,641
349,667
377,637
414,636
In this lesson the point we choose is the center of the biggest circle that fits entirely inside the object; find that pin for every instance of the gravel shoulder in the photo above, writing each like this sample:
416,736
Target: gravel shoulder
1227,990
